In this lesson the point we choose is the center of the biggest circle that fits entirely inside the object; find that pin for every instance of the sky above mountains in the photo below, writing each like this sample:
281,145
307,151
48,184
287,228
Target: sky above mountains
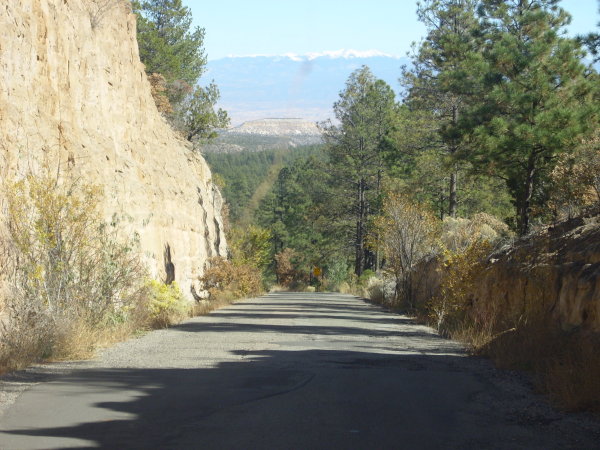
304,86
276,27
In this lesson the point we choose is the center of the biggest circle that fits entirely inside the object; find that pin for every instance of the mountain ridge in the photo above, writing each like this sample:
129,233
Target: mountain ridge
333,54
277,126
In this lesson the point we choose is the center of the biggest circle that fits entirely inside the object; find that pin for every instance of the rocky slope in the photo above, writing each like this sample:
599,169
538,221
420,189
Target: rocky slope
74,91
555,271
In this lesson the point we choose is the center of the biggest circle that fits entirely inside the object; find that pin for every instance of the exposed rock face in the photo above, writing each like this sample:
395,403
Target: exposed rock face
73,87
278,127
555,272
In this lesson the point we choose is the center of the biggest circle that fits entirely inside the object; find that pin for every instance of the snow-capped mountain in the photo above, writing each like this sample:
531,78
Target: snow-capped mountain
291,85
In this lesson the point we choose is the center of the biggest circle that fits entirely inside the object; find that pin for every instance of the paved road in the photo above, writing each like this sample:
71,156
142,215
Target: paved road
286,371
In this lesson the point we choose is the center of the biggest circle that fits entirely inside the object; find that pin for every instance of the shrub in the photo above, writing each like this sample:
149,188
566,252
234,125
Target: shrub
226,280
449,308
251,247
375,290
336,274
408,233
284,269
64,269
166,304
459,234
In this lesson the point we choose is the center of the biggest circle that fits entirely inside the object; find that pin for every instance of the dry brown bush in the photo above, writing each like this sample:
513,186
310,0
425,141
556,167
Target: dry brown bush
285,270
226,280
158,89
408,233
98,10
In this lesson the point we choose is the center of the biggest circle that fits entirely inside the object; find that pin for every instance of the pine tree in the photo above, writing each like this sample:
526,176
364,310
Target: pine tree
170,47
537,101
440,80
364,111
167,43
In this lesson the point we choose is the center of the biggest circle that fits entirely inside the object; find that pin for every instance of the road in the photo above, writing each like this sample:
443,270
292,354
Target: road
286,371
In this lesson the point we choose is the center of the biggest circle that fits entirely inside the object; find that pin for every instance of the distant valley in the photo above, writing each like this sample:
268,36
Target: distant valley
287,86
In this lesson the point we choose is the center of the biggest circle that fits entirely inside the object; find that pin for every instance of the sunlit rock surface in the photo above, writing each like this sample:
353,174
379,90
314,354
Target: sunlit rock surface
74,90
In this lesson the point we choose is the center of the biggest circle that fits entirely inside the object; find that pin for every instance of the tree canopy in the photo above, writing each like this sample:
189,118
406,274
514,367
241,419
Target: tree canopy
171,48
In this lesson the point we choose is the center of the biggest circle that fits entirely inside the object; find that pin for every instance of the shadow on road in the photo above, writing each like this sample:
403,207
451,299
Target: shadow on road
300,329
274,399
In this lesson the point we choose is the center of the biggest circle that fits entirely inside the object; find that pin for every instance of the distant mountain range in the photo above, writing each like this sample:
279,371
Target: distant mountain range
291,85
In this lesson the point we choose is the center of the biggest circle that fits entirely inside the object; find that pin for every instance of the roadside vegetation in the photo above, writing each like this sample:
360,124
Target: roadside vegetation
68,281
72,282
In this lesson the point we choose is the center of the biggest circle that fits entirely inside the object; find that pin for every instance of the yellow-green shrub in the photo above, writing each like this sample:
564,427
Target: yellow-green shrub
167,304
65,271
449,308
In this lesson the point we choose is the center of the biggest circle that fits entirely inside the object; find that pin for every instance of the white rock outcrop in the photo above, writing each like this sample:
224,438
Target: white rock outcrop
72,86
278,127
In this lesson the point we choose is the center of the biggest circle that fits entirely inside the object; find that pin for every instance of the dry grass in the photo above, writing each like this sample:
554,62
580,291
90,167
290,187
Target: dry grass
572,378
204,307
69,340
566,367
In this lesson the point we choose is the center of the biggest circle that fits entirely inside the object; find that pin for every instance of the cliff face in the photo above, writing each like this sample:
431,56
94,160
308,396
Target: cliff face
73,89
556,271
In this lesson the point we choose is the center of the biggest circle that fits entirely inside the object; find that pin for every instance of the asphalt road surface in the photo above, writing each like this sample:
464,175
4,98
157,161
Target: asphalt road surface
285,371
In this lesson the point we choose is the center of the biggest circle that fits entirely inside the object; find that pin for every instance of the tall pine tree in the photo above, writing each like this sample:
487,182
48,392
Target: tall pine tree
537,101
170,47
440,80
364,111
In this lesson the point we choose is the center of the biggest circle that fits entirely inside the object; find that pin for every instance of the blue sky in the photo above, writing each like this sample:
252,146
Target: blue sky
272,27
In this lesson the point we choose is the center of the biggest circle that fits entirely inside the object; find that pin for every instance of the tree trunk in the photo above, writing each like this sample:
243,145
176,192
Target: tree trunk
454,175
377,238
452,200
527,195
359,242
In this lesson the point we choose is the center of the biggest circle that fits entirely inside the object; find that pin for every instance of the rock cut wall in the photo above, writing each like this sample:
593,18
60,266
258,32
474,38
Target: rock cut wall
73,89
553,273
